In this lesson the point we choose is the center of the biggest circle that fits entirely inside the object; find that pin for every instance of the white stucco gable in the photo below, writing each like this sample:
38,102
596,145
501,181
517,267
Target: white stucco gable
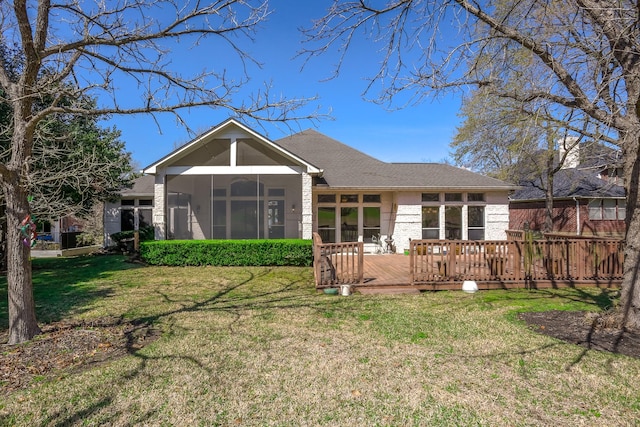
233,131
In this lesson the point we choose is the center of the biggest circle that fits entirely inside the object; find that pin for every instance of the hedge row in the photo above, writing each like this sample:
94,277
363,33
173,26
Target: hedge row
291,252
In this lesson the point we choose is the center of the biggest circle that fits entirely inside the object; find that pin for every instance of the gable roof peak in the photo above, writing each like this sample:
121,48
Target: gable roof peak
223,129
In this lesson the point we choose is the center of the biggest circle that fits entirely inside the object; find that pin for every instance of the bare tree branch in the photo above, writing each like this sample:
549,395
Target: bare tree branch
579,68
74,50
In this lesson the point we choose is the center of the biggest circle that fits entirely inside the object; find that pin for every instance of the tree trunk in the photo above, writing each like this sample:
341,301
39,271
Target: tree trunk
548,191
630,296
22,315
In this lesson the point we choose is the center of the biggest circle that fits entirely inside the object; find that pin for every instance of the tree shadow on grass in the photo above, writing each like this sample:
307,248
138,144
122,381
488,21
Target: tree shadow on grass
231,299
237,299
545,299
65,285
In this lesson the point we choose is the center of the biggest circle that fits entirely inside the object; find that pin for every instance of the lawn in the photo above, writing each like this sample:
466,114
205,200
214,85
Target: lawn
259,346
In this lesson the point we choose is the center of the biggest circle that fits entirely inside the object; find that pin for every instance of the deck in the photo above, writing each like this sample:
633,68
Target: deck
445,265
386,270
386,274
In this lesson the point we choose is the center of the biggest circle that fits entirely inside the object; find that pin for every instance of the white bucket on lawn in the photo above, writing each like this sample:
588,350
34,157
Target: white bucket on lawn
345,290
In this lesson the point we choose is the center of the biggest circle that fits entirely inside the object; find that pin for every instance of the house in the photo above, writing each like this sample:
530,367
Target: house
588,196
233,183
135,205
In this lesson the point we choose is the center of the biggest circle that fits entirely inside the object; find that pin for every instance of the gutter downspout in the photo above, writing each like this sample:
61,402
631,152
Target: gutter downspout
577,216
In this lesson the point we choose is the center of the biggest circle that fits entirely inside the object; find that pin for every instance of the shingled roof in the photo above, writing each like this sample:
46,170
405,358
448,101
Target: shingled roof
346,167
142,187
569,183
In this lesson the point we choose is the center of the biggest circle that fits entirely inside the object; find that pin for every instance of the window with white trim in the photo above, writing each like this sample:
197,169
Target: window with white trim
607,209
128,209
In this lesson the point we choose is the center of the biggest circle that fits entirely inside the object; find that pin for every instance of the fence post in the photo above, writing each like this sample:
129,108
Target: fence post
360,262
518,258
316,257
411,262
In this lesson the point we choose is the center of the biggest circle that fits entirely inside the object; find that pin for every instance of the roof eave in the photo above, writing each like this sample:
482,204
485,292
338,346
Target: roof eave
567,198
414,188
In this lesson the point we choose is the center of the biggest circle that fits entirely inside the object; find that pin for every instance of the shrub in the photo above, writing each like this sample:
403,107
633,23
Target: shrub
85,239
290,252
124,239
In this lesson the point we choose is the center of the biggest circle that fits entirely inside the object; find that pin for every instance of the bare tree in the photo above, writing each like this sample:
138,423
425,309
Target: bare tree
494,137
104,49
500,138
585,55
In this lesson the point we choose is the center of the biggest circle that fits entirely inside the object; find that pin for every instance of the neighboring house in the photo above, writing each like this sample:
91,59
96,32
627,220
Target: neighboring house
588,198
233,183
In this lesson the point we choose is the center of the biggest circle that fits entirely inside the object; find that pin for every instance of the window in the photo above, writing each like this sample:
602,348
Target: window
430,222
44,227
371,198
371,222
452,197
276,213
178,224
326,198
476,222
126,220
327,224
275,219
247,188
349,229
349,198
453,222
128,213
607,209
430,197
475,197
145,217
219,218
595,211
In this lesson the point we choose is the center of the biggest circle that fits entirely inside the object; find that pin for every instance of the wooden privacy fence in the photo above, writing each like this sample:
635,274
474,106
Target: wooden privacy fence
516,261
337,263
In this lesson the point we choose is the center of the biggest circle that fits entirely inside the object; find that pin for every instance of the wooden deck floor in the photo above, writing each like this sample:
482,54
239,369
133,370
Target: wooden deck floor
386,274
387,269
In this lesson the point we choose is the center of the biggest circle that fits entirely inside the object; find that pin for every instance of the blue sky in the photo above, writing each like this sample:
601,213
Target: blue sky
419,133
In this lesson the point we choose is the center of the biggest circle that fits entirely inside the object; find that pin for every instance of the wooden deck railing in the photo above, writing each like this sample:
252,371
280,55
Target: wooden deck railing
515,234
337,263
569,260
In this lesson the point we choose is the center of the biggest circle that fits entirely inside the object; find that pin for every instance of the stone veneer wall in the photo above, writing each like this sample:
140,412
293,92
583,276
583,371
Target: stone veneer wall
159,217
306,226
496,215
408,223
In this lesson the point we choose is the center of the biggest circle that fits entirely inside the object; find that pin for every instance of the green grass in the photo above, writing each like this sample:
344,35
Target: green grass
259,346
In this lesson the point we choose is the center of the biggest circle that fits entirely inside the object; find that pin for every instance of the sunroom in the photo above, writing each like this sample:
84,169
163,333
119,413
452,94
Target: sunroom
232,183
